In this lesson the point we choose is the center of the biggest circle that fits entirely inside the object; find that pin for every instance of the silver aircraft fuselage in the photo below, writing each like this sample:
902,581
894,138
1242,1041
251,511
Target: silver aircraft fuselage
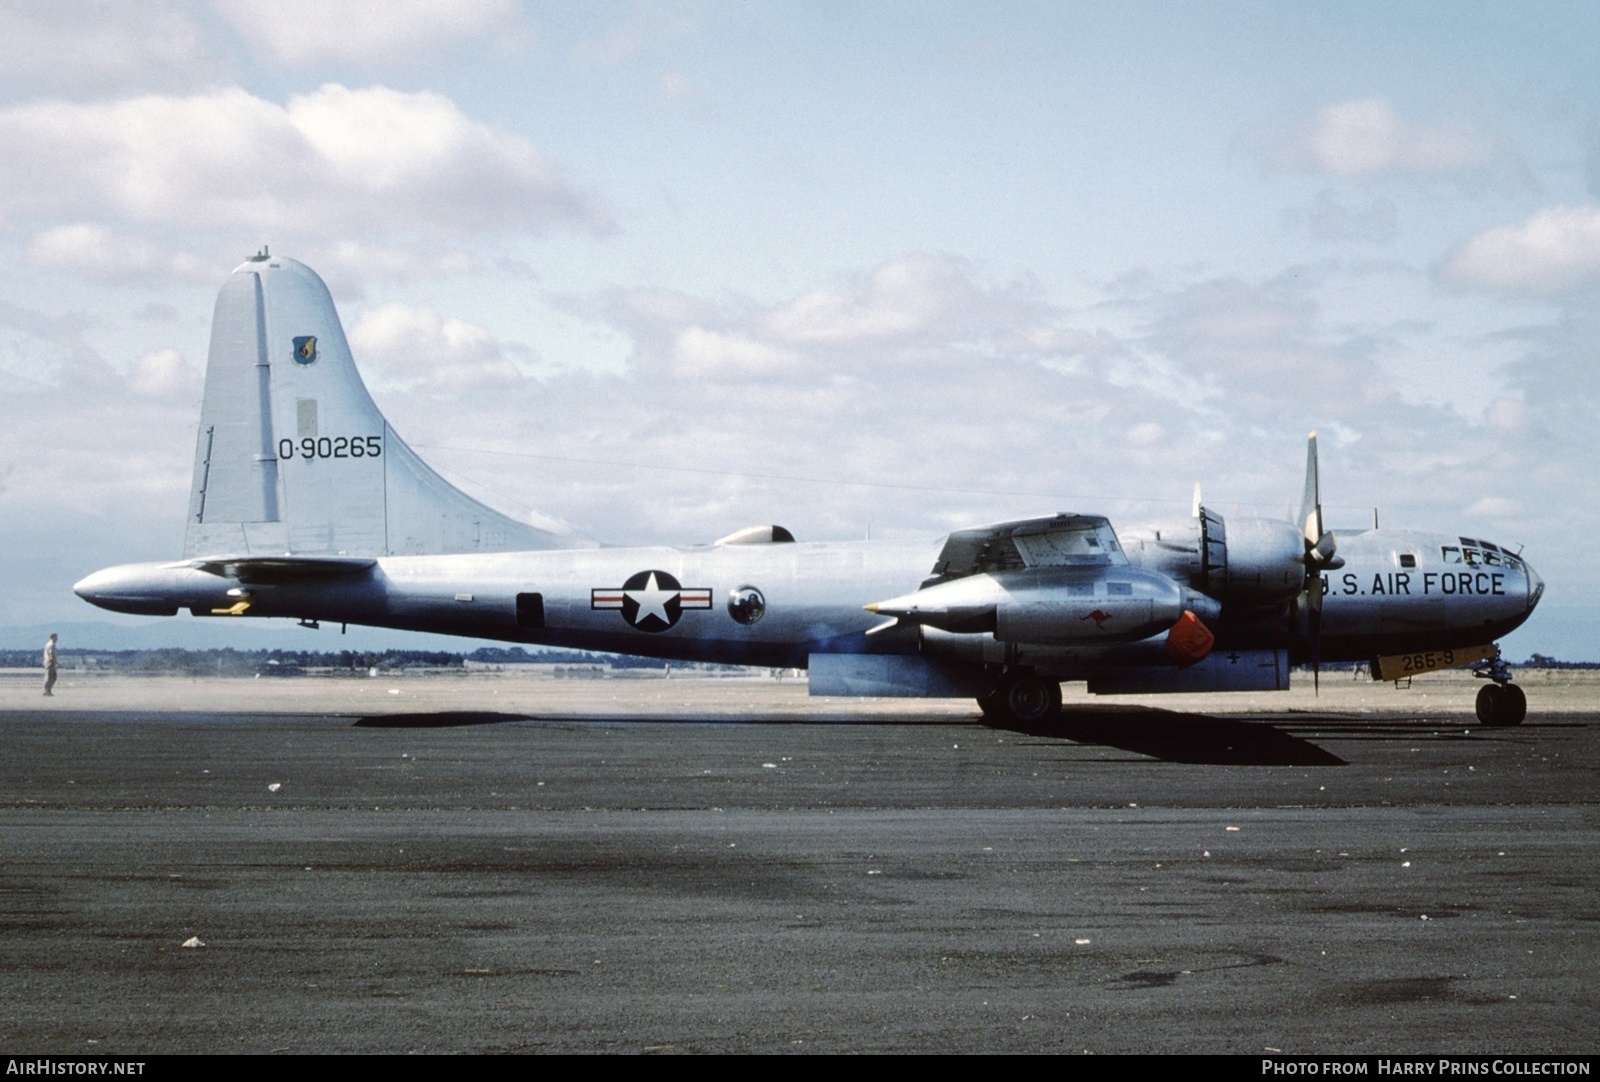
812,597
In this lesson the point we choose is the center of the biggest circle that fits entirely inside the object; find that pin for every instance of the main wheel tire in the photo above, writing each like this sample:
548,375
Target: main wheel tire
1488,704
1501,704
1028,699
1513,705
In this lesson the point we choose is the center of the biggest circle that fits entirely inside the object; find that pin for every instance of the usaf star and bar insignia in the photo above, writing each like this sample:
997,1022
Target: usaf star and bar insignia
651,600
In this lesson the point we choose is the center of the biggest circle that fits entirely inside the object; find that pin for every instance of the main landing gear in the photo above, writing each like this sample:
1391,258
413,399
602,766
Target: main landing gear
1021,697
1500,702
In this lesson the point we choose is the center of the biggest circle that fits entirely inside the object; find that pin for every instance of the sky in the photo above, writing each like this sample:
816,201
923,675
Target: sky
658,271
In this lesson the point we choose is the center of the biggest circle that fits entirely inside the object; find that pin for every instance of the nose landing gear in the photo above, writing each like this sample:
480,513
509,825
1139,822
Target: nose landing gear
1501,702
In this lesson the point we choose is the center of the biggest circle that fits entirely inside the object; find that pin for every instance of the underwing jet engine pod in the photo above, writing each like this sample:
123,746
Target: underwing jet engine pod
307,505
1045,588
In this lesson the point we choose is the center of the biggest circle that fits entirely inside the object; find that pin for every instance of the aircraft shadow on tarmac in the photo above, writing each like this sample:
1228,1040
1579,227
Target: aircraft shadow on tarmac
1161,734
441,719
1182,738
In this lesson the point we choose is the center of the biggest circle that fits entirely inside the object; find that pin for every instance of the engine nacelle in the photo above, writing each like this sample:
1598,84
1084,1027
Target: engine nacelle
1252,561
1266,562
1054,604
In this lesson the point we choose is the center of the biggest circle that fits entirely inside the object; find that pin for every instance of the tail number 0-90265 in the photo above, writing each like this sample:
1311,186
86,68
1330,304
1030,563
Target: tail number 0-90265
331,447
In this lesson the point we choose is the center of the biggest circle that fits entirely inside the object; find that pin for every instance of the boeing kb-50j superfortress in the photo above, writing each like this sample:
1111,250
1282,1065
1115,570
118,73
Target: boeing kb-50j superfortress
306,504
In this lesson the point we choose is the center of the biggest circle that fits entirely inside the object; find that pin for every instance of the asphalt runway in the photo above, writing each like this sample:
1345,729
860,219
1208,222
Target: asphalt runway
521,865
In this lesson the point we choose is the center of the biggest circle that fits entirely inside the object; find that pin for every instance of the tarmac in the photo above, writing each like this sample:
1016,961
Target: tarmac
494,862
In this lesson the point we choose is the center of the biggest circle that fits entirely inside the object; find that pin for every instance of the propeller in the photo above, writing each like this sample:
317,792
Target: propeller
1321,555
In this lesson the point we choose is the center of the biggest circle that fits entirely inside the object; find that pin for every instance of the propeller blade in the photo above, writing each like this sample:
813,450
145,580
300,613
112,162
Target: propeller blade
1314,626
1320,548
1320,542
1311,504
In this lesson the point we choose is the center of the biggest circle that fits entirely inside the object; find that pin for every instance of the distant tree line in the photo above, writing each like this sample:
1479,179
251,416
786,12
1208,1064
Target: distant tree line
516,655
1545,661
230,662
227,661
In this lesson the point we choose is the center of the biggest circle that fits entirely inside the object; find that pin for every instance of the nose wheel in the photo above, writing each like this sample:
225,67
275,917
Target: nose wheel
1501,702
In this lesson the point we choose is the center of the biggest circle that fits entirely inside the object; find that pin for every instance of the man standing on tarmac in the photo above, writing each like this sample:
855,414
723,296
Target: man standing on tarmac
50,663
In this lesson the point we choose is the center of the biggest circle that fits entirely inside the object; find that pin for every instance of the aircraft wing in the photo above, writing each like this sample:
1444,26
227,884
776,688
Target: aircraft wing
1064,540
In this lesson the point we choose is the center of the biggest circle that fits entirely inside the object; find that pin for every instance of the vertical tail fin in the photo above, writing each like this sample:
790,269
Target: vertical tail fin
293,454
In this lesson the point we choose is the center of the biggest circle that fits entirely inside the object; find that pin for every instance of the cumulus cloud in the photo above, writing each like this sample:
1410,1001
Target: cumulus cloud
1494,507
1146,434
918,310
1555,250
96,252
303,32
914,297
1366,138
941,366
135,431
413,346
1240,334
97,468
919,372
336,160
74,46
164,374
645,26
1329,218
1507,416
382,259
702,352
1260,360
156,312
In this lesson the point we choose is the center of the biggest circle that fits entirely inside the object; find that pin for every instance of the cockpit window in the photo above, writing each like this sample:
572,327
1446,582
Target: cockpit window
1491,559
1451,554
